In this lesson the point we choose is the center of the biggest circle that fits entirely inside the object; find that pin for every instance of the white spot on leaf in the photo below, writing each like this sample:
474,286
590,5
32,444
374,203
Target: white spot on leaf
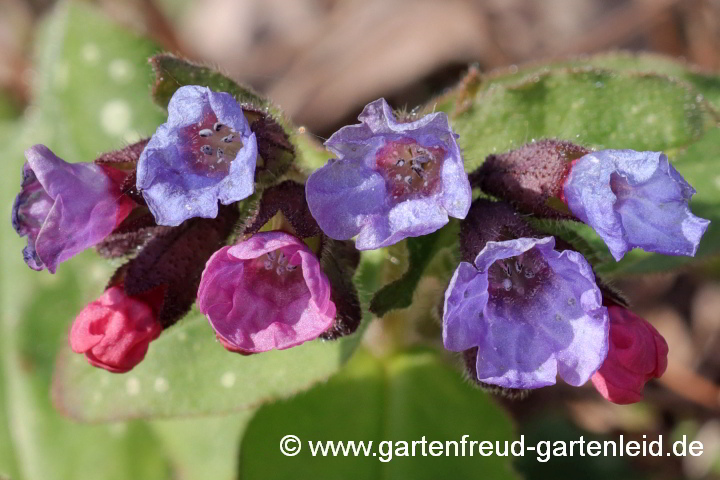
90,53
115,117
121,71
227,380
161,385
132,386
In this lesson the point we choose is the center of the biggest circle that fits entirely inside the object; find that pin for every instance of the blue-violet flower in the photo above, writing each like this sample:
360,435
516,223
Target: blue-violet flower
532,313
205,153
634,199
391,180
64,208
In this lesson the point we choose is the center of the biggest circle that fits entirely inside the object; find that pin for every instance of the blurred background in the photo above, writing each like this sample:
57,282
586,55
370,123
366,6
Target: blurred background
322,60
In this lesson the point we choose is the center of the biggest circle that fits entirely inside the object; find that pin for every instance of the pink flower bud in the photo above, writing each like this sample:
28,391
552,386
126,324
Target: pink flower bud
115,330
637,353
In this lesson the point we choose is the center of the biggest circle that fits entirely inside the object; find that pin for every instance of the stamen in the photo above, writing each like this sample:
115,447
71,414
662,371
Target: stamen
205,132
220,153
403,161
206,149
268,265
228,138
506,268
218,126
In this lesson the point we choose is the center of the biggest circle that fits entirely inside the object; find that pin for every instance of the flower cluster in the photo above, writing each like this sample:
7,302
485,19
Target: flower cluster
522,312
172,203
201,217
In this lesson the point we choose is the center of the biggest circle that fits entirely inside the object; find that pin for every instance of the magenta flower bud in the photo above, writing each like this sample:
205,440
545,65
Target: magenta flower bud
64,208
391,180
634,199
203,155
637,354
115,330
266,292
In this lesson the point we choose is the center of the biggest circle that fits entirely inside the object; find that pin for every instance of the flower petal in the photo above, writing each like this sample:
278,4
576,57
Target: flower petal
342,195
465,301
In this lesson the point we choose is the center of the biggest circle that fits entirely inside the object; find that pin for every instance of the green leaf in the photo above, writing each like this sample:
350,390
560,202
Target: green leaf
172,73
203,448
92,89
421,251
705,83
403,398
594,108
187,372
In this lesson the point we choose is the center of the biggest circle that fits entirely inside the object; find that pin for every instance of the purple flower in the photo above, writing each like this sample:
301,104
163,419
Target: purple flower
634,199
64,208
267,292
391,180
204,153
532,312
